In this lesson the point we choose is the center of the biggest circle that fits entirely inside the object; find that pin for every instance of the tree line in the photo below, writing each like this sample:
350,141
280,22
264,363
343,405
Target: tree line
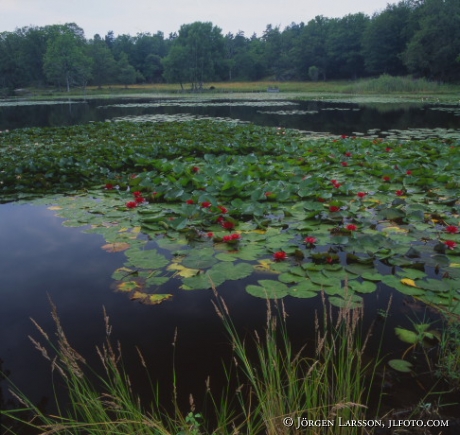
418,37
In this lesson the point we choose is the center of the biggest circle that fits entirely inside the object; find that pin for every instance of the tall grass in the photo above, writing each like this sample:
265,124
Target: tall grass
386,84
276,384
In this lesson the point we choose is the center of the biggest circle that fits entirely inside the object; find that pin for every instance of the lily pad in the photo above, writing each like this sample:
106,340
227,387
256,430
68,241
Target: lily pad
268,289
400,365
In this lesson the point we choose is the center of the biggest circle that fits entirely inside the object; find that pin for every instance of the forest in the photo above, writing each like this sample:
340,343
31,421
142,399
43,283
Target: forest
416,37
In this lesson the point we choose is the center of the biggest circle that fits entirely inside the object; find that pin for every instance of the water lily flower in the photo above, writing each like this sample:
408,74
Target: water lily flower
450,244
137,194
311,240
210,234
451,229
400,192
131,204
344,164
348,154
388,149
408,172
222,209
139,199
334,208
190,201
344,136
228,225
196,169
109,186
352,227
386,178
321,199
361,194
231,238
280,256
205,204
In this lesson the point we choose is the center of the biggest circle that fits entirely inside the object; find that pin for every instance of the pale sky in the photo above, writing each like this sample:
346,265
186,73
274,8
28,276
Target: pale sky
136,16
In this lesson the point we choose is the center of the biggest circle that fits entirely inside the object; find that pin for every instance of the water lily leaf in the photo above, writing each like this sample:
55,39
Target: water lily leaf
372,276
409,282
224,256
350,302
326,281
128,286
393,281
289,278
200,258
200,282
123,272
182,271
362,287
224,271
145,258
305,289
435,285
412,273
400,365
148,299
268,289
407,336
116,247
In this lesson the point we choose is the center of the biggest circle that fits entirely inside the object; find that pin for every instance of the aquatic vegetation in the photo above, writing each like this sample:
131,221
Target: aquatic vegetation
221,201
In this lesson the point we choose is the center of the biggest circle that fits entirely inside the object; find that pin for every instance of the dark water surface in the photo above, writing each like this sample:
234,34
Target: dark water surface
335,118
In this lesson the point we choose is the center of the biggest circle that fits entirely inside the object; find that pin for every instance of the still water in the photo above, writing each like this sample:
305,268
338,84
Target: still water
316,116
42,260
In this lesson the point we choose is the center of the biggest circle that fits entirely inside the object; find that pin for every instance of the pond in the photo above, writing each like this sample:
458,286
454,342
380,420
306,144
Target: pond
334,117
43,259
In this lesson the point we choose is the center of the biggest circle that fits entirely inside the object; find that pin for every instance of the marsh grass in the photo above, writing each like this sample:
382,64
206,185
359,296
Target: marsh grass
274,382
386,84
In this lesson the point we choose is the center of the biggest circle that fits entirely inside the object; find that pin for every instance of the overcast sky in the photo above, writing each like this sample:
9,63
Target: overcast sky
135,16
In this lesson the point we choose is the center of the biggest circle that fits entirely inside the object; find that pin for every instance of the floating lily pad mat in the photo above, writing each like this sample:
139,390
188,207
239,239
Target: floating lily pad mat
209,202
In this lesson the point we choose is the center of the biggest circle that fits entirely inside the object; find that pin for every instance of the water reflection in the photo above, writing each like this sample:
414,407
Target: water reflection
317,116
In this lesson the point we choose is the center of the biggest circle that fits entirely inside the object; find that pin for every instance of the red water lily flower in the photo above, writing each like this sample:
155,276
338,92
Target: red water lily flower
311,240
222,209
109,186
190,201
137,194
321,199
139,199
388,149
344,164
210,234
344,136
196,169
452,229
450,244
280,256
228,225
400,192
408,172
205,204
334,208
352,227
361,194
386,178
231,238
348,154
131,204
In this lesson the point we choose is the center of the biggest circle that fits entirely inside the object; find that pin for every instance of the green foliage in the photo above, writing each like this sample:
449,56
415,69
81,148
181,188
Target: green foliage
217,198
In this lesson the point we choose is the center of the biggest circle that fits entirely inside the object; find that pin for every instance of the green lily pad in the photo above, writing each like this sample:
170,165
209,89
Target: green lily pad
268,289
400,365
362,287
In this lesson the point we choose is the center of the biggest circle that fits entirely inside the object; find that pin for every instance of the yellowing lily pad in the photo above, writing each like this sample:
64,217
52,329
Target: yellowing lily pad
128,286
116,247
182,271
147,299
